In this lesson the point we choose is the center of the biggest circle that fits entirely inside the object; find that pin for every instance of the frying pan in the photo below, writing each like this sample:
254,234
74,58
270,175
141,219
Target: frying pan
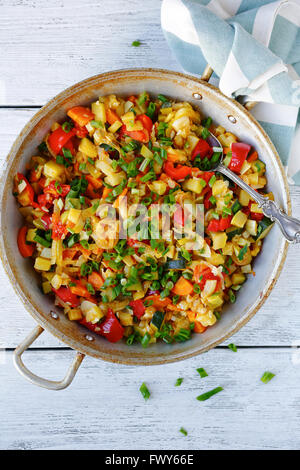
224,111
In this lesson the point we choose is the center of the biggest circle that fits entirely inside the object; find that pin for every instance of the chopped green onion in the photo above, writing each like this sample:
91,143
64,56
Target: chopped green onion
205,133
136,43
67,126
207,395
183,431
242,252
232,297
178,382
162,98
145,340
213,200
232,347
212,180
145,391
267,376
202,372
96,124
90,288
196,289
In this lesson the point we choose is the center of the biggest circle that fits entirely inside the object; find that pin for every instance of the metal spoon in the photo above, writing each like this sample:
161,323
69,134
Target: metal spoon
289,226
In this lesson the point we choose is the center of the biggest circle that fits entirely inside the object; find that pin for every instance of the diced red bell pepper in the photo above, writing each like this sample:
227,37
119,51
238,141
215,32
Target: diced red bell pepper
140,136
146,121
219,225
213,226
26,197
58,228
46,220
203,275
207,203
138,308
256,216
45,201
81,115
80,131
57,190
111,328
202,149
65,294
224,223
25,249
179,217
178,173
239,152
59,138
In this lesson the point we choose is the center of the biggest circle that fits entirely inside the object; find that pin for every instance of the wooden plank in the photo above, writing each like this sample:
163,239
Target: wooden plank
103,408
277,323
47,48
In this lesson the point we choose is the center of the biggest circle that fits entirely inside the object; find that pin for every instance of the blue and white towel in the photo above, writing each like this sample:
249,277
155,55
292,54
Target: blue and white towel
254,48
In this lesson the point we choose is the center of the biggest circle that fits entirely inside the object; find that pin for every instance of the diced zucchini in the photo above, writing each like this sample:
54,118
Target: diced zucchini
220,188
99,110
194,184
157,320
251,227
42,264
239,219
46,287
74,314
88,148
176,264
31,233
219,240
264,227
232,232
53,170
215,300
238,278
126,318
244,198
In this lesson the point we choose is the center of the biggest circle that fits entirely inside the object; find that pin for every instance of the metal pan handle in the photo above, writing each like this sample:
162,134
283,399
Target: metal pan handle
35,379
208,71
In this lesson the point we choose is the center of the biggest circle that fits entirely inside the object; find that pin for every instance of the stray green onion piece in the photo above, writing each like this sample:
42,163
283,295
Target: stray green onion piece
202,372
232,347
136,43
207,395
267,376
178,382
183,431
145,391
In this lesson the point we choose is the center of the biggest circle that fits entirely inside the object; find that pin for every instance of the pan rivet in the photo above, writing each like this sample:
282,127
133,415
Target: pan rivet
54,315
232,119
197,96
89,338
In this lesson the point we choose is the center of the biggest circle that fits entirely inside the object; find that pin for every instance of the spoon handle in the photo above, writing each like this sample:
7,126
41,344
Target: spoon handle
289,226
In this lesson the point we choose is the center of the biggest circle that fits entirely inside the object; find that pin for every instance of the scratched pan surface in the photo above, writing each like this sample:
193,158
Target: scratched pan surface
180,87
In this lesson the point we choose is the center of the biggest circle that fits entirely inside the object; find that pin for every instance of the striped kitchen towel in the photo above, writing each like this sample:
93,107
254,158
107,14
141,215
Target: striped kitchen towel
254,48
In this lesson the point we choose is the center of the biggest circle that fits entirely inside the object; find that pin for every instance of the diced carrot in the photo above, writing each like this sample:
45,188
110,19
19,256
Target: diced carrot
106,192
226,150
111,116
199,328
252,157
94,181
158,302
182,287
81,115
96,280
25,249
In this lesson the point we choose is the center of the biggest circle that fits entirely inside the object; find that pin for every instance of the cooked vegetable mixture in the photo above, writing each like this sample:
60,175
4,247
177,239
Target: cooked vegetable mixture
141,287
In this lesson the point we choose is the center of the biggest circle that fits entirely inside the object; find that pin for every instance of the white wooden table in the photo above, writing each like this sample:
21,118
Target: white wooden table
45,47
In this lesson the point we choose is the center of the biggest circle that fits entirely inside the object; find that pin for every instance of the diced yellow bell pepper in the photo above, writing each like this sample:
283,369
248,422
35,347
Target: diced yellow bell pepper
88,148
42,264
239,219
53,170
238,278
75,314
219,240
